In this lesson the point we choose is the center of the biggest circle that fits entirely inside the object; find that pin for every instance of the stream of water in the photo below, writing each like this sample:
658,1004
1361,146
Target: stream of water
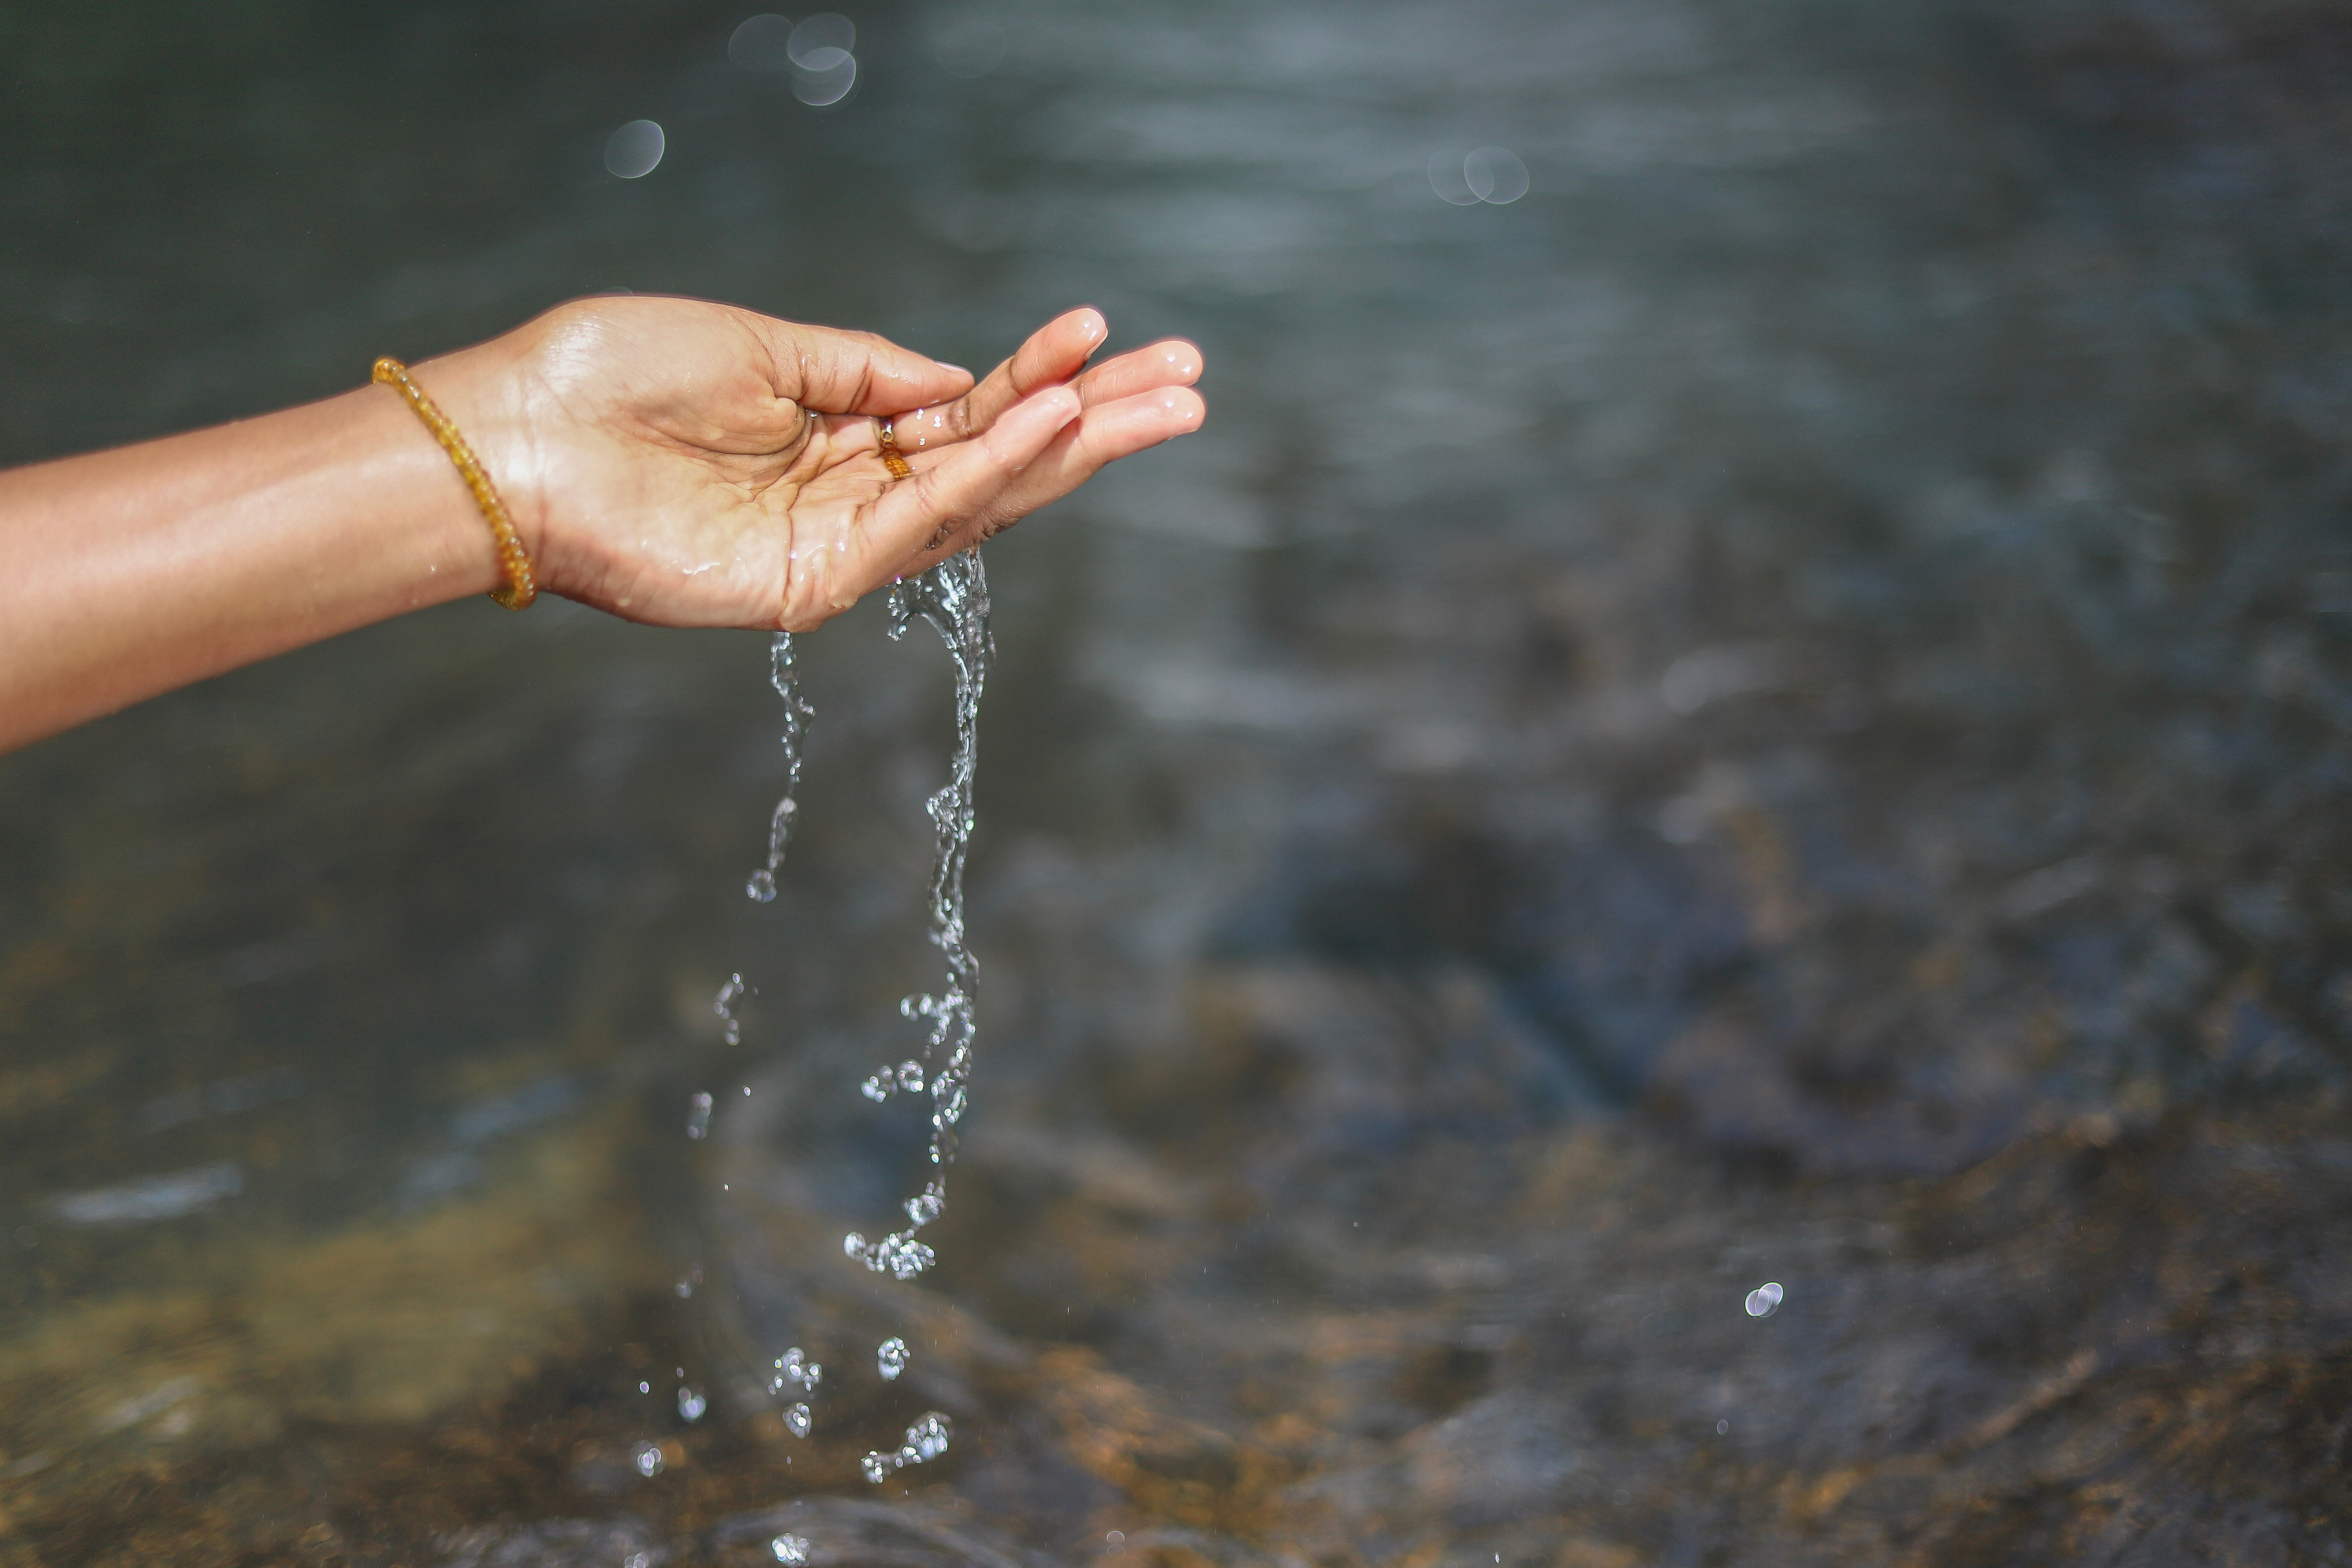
953,599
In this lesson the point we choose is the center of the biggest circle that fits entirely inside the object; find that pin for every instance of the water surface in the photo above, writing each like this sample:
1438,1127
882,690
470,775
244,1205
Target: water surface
1772,711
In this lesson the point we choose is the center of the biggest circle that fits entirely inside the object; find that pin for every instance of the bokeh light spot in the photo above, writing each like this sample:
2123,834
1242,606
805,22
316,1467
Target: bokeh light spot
1447,179
1495,174
820,88
822,42
633,150
762,43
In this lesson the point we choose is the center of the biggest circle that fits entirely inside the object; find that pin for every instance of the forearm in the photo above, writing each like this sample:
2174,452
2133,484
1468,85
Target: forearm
126,573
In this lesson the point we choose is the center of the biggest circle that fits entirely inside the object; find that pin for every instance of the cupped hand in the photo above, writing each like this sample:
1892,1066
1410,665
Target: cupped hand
691,464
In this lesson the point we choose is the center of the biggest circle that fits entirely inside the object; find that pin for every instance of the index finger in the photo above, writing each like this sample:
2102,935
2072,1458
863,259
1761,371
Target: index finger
837,372
1054,353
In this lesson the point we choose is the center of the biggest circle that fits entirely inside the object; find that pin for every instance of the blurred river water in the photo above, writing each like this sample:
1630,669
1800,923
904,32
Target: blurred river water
1680,897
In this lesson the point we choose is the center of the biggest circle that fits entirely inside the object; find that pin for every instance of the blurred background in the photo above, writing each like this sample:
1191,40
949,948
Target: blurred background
1679,897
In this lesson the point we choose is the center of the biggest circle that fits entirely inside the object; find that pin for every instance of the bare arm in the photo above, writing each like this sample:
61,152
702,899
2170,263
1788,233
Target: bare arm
125,573
668,460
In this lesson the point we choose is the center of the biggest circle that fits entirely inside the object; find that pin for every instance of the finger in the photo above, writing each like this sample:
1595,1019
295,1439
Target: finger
959,491
1079,451
1054,353
1173,362
837,372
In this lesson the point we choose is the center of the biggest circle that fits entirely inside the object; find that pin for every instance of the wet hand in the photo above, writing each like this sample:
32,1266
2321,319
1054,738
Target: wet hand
690,464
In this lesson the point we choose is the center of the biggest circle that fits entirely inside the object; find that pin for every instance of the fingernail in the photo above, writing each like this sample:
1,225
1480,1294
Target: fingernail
957,368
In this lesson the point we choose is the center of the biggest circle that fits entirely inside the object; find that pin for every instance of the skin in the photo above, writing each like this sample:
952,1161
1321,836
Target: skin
670,461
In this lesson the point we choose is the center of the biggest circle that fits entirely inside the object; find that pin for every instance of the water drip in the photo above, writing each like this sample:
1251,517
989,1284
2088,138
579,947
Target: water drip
926,1439
724,1006
952,598
785,676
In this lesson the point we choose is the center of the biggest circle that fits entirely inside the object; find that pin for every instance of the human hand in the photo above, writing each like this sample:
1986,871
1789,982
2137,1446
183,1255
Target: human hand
690,464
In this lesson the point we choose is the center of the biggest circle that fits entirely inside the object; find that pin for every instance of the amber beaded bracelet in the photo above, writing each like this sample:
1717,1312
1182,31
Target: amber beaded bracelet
519,589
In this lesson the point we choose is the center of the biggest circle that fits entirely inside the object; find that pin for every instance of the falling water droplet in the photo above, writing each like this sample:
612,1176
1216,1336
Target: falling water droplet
724,1006
1764,1301
877,1467
697,1116
647,1458
890,1358
929,1437
798,1370
785,676
790,1549
691,1403
796,1416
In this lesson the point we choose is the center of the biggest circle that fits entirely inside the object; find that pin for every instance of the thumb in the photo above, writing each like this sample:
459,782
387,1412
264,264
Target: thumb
835,372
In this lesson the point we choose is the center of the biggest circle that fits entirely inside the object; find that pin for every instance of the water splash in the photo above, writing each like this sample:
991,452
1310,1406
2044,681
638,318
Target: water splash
906,1078
926,1439
793,1369
952,598
724,1006
785,676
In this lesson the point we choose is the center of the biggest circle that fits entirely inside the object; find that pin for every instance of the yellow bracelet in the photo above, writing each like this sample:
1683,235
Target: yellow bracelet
519,590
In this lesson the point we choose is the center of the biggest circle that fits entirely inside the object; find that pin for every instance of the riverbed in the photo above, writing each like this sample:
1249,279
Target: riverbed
1773,711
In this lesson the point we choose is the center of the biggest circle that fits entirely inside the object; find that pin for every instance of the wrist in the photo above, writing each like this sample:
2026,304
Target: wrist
481,391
